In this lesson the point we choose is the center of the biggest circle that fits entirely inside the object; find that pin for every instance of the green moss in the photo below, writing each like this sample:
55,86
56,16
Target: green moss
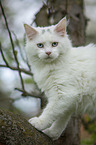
15,130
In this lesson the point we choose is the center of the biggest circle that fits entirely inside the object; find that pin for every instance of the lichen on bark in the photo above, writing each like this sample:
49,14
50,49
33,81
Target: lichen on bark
15,130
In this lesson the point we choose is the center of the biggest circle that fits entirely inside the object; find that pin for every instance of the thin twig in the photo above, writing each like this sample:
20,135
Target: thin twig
3,56
12,44
12,67
18,45
25,93
16,69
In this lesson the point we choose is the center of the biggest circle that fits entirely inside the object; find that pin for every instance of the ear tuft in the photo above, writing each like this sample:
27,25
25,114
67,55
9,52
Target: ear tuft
31,32
61,27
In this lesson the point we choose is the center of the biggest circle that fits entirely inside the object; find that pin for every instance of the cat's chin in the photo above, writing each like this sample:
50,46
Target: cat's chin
48,59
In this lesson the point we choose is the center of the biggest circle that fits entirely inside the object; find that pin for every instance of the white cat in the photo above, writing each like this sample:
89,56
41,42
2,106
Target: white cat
66,74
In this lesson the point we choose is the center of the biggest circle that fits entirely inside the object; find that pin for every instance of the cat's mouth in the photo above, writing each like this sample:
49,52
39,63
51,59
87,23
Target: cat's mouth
49,57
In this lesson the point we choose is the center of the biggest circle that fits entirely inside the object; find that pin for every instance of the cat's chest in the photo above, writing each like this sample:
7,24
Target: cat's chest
45,78
51,77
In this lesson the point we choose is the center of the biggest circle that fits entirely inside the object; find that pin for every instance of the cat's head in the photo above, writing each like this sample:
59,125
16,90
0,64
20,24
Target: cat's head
47,43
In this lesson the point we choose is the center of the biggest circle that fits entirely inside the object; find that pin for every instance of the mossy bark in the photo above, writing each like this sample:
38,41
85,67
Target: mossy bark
15,130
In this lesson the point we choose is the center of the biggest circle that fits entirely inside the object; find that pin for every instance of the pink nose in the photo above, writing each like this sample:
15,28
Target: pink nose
48,53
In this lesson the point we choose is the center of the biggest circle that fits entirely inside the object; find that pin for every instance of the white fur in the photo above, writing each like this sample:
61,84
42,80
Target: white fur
68,79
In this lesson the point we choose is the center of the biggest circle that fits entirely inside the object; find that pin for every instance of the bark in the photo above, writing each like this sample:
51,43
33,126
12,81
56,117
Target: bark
56,9
15,130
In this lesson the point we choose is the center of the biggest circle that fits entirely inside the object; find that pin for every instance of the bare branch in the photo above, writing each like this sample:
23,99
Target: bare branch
18,44
12,44
3,56
11,67
33,94
16,69
24,92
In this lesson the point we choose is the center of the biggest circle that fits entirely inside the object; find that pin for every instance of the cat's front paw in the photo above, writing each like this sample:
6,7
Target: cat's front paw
52,134
37,123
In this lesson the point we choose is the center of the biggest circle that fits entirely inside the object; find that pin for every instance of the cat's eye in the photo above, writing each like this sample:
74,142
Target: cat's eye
40,45
54,44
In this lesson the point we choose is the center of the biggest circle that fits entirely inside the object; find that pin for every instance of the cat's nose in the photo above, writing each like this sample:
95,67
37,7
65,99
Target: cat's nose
48,53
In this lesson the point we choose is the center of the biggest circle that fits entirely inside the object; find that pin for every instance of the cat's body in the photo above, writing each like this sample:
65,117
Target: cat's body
67,75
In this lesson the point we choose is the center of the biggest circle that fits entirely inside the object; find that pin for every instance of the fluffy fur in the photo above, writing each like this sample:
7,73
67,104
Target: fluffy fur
67,76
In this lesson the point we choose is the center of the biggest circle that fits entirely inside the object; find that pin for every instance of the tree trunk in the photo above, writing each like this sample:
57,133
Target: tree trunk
49,14
55,10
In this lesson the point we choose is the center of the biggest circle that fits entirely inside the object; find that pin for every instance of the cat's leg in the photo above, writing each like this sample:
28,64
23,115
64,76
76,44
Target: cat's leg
45,120
51,113
57,127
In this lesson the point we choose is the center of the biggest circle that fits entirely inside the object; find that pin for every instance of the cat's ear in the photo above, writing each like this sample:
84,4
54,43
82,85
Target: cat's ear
60,28
31,32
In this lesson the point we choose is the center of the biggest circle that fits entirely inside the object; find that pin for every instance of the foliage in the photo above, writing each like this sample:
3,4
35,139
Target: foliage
90,127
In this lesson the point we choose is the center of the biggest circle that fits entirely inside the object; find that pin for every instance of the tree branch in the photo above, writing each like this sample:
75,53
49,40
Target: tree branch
33,94
24,92
19,47
15,130
11,67
3,56
12,45
16,69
